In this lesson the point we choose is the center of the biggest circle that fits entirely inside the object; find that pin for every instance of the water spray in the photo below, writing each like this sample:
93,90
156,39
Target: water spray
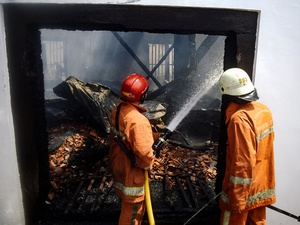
183,112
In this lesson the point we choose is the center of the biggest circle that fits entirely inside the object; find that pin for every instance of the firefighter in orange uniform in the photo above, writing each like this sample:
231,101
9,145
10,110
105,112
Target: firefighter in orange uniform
249,180
133,129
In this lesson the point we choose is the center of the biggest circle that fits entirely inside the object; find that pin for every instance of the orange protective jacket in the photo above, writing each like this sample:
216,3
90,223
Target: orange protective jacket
249,179
138,137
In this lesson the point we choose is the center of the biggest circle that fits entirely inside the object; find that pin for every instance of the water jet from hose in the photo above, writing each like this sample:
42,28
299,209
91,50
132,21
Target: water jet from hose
204,87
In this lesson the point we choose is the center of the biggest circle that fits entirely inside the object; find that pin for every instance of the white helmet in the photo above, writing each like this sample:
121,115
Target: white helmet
236,82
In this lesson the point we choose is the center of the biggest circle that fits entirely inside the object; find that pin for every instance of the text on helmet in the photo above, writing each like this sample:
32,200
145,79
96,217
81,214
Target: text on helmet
127,94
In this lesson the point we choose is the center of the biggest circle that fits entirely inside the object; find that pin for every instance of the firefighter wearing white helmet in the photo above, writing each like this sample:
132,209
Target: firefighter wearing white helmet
245,151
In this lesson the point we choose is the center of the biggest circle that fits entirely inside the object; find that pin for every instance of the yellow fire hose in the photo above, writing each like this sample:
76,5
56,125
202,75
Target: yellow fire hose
148,200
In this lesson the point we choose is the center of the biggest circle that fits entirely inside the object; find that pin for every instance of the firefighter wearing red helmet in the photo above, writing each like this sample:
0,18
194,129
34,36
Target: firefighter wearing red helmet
247,142
131,150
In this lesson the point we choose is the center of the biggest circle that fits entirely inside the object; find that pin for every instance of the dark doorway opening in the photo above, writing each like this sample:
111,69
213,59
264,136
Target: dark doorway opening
23,23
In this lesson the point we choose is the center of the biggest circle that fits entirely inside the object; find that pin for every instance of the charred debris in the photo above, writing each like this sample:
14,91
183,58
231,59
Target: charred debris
81,187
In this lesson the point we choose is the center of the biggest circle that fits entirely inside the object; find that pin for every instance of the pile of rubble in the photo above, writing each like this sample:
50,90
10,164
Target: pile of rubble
182,162
75,151
82,149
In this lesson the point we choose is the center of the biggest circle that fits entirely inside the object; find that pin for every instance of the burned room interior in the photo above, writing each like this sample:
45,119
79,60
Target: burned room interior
66,65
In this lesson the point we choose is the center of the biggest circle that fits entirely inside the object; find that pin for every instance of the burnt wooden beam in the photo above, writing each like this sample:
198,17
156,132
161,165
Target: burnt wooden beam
136,58
184,195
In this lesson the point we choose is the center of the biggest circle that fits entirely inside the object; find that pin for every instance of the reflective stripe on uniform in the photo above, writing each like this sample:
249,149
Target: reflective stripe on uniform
226,218
240,180
264,133
130,191
224,197
253,198
261,195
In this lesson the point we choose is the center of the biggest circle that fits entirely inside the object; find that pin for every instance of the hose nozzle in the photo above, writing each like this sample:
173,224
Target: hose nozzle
161,141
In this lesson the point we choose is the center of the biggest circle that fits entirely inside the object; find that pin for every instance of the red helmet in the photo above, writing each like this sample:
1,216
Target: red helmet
134,88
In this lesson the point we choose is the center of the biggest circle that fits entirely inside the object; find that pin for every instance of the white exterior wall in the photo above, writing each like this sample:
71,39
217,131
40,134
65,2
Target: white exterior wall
11,205
276,78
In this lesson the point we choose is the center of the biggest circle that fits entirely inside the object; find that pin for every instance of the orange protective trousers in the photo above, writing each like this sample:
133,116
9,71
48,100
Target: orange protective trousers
132,213
255,216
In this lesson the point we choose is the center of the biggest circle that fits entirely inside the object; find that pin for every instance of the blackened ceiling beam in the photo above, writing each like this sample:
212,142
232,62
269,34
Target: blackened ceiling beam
132,17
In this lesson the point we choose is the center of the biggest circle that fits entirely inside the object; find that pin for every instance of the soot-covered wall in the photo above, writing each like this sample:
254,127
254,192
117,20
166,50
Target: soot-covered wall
22,24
